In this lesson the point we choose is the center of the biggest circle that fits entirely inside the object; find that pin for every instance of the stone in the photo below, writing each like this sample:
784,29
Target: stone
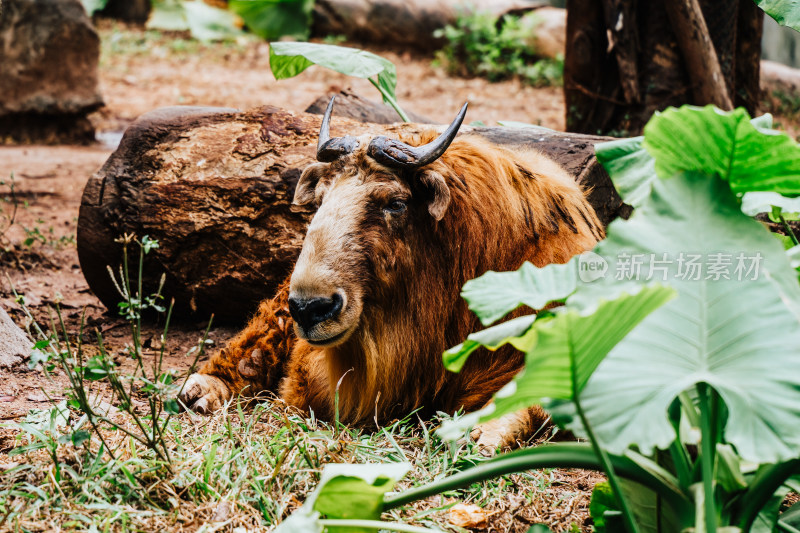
49,54
15,346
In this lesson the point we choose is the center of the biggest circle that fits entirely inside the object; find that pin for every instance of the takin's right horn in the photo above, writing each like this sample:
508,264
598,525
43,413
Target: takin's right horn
397,154
332,149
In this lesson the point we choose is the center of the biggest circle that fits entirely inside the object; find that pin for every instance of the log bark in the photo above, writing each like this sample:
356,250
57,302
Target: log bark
777,77
351,105
214,187
747,64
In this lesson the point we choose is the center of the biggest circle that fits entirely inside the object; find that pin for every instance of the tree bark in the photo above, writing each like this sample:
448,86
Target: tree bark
709,86
623,60
215,186
351,105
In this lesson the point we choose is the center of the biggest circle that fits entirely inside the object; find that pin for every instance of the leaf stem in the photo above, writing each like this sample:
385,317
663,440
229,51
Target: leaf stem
680,458
789,230
708,445
762,489
613,480
561,455
372,524
390,99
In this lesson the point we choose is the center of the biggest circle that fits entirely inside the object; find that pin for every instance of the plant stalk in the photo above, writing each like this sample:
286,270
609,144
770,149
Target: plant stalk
708,446
762,489
389,98
789,230
561,455
373,524
613,480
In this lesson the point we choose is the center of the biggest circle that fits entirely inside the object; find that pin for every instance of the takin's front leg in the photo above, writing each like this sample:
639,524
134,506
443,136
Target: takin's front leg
512,429
252,362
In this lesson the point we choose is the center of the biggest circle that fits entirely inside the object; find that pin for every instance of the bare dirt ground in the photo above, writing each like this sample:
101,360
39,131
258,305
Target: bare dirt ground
141,71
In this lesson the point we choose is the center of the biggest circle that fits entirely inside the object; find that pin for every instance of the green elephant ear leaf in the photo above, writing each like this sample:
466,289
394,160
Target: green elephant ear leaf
495,294
735,324
346,491
631,167
745,152
785,12
287,59
564,352
726,144
273,19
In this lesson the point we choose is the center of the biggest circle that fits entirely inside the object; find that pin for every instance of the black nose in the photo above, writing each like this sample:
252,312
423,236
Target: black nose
308,312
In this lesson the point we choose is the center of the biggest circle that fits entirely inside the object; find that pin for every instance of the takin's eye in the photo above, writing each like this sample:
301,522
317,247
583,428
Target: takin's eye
395,207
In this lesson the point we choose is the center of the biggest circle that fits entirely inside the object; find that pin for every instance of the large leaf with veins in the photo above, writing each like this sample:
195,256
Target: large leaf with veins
741,336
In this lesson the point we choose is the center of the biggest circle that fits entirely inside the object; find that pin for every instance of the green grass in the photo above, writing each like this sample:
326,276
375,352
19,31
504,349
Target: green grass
261,459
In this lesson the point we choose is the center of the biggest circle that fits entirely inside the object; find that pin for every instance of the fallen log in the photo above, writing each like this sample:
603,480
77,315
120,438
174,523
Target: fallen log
351,105
215,186
780,78
412,23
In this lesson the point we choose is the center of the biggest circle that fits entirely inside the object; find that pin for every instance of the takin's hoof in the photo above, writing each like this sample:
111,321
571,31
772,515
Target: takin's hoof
487,440
204,394
498,434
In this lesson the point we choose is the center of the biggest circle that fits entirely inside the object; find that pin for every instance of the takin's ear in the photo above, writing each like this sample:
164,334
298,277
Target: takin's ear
438,190
305,192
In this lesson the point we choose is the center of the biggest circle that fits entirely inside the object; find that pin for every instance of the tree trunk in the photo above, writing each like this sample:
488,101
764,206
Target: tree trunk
623,61
702,63
215,186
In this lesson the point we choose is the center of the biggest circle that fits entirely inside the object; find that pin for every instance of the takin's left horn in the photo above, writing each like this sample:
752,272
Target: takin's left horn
332,149
396,154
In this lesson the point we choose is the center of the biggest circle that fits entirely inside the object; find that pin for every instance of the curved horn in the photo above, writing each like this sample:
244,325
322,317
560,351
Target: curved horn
397,154
332,149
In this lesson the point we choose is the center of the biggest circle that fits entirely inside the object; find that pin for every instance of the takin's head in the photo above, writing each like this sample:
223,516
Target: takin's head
399,229
374,195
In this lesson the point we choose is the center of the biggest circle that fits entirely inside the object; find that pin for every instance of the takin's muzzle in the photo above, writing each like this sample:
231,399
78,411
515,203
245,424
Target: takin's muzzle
310,312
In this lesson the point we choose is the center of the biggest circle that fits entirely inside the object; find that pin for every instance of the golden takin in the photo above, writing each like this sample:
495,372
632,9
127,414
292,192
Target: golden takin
373,300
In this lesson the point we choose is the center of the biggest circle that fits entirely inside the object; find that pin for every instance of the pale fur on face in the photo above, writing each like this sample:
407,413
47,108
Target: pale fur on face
332,260
399,273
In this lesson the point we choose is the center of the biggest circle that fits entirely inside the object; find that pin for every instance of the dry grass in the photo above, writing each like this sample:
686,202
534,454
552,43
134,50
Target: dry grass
249,467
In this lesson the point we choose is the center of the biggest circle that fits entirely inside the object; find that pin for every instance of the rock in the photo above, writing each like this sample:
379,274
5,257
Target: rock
222,512
15,346
777,77
467,516
49,55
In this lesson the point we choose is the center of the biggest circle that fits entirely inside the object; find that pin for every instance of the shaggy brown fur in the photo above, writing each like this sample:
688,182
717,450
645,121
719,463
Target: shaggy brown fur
504,208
